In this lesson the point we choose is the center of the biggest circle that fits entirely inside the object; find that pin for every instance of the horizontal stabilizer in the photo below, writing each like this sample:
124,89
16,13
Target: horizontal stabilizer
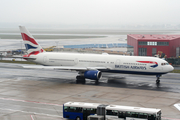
20,57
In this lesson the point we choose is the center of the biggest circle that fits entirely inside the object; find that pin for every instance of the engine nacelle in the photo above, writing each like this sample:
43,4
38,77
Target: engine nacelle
92,74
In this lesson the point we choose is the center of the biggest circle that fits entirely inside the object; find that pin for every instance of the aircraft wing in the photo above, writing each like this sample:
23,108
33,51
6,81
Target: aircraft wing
64,68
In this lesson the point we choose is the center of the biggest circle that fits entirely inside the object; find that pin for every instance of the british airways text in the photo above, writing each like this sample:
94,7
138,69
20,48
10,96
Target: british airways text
130,67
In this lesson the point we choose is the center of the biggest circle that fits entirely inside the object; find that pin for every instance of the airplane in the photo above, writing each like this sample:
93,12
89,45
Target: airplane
91,66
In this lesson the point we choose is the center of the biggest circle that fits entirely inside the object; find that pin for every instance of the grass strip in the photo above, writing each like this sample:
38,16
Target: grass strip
175,71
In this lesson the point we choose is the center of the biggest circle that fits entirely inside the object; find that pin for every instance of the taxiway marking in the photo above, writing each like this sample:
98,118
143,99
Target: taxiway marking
32,117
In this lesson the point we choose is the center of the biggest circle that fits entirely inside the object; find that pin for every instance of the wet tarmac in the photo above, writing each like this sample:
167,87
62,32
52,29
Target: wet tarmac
39,94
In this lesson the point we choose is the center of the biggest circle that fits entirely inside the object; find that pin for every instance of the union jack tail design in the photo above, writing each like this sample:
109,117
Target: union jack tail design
32,46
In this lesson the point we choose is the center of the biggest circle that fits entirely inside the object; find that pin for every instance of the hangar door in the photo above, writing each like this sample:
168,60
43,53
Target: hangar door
177,52
154,51
142,51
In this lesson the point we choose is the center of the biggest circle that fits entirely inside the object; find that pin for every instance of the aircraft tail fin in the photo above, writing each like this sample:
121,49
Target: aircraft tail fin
30,43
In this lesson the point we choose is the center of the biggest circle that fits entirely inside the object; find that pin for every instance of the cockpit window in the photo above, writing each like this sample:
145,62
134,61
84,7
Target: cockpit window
164,63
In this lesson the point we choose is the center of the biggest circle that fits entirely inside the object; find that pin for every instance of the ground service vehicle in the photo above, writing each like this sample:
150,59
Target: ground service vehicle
128,112
80,111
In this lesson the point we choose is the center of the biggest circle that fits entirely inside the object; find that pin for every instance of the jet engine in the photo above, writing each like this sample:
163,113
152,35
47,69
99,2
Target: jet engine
93,74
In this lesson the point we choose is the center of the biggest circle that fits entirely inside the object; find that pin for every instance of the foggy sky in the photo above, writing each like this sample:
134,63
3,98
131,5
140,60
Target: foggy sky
90,12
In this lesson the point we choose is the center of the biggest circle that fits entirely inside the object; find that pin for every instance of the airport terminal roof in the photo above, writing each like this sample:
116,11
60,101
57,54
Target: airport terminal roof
154,37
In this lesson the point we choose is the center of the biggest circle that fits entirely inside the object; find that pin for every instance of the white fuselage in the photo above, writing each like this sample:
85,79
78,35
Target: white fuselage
115,63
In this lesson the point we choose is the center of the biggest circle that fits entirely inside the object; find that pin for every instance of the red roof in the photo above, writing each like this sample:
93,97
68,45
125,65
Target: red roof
154,37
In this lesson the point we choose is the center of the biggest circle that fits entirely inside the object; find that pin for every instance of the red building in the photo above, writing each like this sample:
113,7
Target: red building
150,45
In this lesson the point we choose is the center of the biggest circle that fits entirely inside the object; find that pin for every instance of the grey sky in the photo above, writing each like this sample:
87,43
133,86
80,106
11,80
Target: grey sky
90,12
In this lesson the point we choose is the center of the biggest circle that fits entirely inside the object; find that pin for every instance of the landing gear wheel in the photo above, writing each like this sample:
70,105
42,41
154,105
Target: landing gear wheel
157,81
83,81
80,79
158,77
97,82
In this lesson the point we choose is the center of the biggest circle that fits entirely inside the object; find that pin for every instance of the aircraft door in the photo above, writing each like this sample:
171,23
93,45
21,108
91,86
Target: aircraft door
76,61
117,65
45,59
118,62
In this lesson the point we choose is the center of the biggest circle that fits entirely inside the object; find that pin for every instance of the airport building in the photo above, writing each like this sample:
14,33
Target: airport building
150,45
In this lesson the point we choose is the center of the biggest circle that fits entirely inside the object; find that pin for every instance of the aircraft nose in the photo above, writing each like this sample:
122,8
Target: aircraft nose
171,68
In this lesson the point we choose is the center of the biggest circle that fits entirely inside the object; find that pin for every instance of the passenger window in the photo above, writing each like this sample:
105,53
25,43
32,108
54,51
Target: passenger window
78,109
65,108
133,114
108,112
128,114
93,111
142,115
122,114
151,117
112,112
115,112
71,109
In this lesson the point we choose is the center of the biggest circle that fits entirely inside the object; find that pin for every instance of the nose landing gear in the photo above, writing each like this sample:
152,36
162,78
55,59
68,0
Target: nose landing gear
158,77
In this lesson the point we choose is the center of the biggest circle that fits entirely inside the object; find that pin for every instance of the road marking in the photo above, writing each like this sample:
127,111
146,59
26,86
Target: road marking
177,106
31,117
30,101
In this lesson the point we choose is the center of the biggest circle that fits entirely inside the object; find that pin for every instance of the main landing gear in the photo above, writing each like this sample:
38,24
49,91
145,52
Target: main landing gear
80,79
158,77
92,75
